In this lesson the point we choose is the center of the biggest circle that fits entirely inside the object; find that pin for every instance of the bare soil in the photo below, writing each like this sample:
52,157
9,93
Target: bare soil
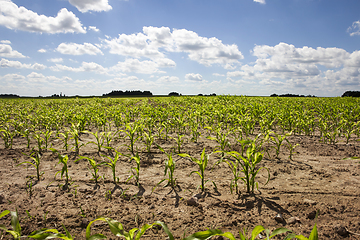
316,179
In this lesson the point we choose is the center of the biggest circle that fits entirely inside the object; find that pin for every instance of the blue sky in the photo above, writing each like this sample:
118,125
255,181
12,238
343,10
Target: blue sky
237,47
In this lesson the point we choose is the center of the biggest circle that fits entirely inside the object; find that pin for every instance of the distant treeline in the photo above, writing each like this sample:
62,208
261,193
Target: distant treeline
351,94
290,95
116,93
9,96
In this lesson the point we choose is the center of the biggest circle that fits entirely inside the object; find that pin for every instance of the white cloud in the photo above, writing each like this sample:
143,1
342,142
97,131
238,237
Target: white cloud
260,1
55,60
354,29
20,18
193,77
154,42
7,51
168,79
218,75
206,51
12,77
5,42
91,5
4,63
93,28
42,50
85,67
78,49
136,66
284,68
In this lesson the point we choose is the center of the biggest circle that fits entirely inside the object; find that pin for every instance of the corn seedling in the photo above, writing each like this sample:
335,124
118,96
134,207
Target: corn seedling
112,165
117,229
256,232
75,134
130,132
7,136
26,134
179,142
135,170
234,166
202,163
29,187
313,234
64,171
94,167
291,148
248,167
169,168
278,140
99,140
65,139
221,139
149,140
39,141
50,234
35,163
16,228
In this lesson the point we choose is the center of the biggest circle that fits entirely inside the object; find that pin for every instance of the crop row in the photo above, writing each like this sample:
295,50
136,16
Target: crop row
117,229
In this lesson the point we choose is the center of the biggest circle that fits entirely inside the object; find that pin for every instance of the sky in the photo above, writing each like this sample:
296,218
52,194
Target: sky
236,47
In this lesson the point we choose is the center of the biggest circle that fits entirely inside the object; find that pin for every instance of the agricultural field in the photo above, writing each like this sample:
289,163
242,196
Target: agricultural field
194,163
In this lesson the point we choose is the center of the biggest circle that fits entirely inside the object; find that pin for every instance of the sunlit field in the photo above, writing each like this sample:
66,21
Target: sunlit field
180,167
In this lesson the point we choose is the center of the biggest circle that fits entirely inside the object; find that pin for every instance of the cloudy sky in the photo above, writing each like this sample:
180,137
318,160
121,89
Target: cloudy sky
237,47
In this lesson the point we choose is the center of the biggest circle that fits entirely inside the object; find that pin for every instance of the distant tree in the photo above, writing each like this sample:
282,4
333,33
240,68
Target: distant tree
274,95
116,93
9,96
351,94
174,94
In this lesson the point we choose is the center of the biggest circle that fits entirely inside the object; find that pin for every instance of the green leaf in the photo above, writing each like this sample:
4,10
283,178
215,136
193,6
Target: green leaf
4,213
258,229
208,234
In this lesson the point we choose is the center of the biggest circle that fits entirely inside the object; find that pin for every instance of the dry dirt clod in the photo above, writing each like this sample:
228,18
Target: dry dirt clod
279,218
192,201
309,202
293,220
341,230
2,198
311,215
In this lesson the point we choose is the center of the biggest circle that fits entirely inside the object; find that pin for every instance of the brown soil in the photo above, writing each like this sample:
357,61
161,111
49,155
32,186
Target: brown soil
316,179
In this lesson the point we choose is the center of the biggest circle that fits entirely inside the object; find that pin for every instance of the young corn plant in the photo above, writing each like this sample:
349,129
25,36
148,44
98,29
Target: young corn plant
63,159
221,139
99,140
47,138
39,141
35,163
291,148
169,168
112,165
15,224
234,166
149,140
94,167
203,235
117,229
135,170
248,167
179,141
278,140
75,134
202,163
27,134
131,130
65,139
7,135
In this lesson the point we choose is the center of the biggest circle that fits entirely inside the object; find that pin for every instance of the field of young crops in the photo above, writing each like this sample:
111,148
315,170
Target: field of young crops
194,163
